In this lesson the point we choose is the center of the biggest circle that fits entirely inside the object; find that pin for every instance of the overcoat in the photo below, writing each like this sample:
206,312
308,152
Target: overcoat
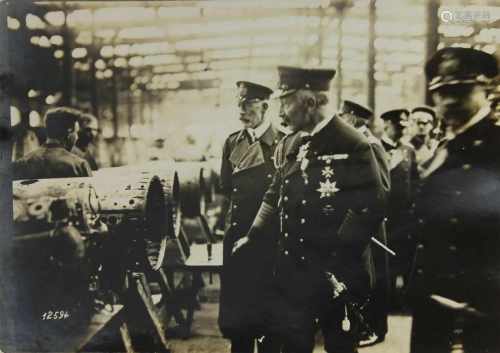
246,173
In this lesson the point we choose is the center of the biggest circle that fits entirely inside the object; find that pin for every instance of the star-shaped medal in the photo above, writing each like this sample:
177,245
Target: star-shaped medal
327,172
327,188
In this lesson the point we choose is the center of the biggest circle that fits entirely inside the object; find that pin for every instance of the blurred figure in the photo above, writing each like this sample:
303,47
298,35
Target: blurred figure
457,266
87,136
404,177
157,151
424,118
25,141
53,159
246,172
377,311
494,98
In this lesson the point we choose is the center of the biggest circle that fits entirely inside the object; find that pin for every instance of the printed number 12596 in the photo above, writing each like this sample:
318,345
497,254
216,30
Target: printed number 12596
55,315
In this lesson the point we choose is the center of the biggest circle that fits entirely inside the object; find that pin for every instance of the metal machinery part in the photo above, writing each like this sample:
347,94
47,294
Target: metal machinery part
134,207
193,187
165,173
41,205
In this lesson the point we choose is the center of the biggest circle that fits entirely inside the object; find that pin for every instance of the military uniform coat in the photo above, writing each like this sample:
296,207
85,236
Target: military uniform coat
404,179
328,212
246,173
458,212
377,311
458,228
51,160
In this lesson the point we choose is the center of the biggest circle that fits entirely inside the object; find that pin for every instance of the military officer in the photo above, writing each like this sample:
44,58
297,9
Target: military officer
53,159
246,172
87,135
377,311
360,117
404,178
329,196
457,263
424,118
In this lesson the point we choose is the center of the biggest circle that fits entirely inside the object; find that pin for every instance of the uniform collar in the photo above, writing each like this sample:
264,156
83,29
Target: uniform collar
261,129
266,133
53,143
320,126
388,141
479,116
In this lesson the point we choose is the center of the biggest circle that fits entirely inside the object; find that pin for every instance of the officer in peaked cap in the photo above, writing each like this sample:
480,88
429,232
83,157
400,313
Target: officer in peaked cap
329,197
423,118
246,172
53,159
404,178
395,121
456,269
355,113
377,311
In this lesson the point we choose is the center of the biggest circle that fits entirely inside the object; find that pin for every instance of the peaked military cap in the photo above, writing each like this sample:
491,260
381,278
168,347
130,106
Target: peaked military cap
358,110
425,109
292,79
396,116
451,66
249,91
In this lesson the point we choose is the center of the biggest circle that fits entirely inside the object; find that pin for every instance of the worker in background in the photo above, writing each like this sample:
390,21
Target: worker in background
246,172
87,136
53,159
376,312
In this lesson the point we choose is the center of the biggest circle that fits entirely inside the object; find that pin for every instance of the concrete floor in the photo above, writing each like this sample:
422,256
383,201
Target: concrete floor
206,337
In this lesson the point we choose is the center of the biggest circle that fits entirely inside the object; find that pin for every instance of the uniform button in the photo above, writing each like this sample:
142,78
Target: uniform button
453,220
302,258
269,176
301,240
466,166
287,181
235,189
235,206
286,216
286,235
458,192
286,252
420,221
420,246
304,202
302,220
452,248
285,198
235,224
420,271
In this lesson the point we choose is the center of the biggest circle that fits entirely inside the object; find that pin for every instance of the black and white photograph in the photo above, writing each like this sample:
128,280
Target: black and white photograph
250,176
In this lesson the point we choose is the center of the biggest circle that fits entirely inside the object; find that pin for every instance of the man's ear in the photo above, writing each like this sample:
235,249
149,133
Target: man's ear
265,105
311,102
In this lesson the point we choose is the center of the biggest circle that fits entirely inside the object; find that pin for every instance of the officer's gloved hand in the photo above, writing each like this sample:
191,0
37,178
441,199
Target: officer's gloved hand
244,240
